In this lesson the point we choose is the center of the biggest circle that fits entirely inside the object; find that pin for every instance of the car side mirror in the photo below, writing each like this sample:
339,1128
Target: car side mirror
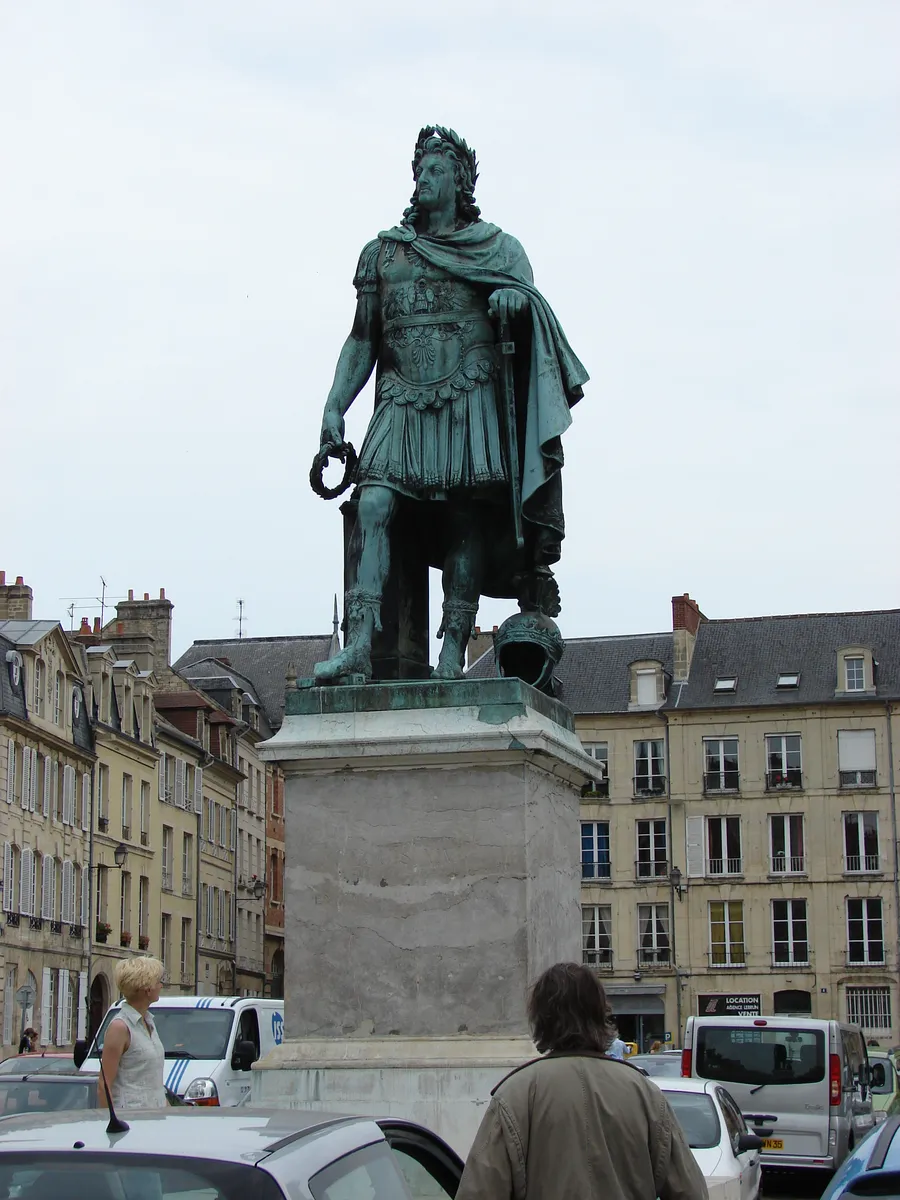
244,1056
749,1141
80,1052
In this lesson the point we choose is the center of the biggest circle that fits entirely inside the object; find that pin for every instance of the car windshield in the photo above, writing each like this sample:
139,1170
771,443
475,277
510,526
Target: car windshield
185,1032
743,1054
658,1064
36,1095
111,1176
697,1116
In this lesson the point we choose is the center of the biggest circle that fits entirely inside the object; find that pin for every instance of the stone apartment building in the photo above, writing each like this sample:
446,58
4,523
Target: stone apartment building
46,767
739,849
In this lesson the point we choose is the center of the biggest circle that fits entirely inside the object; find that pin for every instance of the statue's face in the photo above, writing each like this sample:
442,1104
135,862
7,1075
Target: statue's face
436,183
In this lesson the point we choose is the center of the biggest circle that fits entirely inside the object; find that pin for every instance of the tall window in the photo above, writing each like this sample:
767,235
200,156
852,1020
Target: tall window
865,931
786,842
652,849
790,936
653,934
726,933
723,846
869,1007
127,790
856,757
599,751
861,851
783,762
720,771
855,674
649,768
596,935
187,865
595,861
168,858
165,940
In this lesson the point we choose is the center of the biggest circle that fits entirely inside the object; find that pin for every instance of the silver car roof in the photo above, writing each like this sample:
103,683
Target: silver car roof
227,1134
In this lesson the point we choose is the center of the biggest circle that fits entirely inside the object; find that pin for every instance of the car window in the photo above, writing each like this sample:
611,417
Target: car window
110,1176
421,1183
731,1115
367,1174
696,1114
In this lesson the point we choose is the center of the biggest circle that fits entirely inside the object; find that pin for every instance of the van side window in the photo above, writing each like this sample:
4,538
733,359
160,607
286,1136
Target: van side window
249,1028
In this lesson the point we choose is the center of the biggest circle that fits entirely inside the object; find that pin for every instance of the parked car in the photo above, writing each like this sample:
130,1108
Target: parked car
53,1091
223,1154
668,1065
722,1145
885,1084
211,1043
801,1083
873,1169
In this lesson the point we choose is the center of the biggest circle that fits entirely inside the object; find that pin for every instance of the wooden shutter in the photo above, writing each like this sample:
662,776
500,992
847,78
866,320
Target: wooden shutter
10,771
198,789
693,828
179,783
26,776
86,801
162,777
9,884
81,1026
47,887
49,766
62,1007
46,1031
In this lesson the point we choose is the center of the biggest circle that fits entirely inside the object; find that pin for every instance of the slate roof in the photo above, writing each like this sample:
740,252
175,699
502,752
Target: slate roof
593,675
757,649
264,661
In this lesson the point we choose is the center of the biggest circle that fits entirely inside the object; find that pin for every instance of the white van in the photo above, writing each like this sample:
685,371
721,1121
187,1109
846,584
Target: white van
802,1084
211,1043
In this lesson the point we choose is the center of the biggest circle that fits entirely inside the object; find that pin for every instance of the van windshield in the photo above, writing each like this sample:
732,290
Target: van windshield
738,1054
185,1032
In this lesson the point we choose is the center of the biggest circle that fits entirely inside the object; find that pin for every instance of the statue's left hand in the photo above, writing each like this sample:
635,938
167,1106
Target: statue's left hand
506,303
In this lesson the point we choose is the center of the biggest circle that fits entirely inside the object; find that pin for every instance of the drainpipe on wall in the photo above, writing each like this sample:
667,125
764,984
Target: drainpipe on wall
893,793
665,720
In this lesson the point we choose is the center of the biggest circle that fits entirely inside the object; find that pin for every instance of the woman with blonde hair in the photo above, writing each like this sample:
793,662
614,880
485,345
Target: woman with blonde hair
133,1057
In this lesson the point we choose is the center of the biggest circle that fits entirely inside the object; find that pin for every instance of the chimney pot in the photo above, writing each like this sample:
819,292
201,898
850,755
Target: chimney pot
20,582
96,624
146,595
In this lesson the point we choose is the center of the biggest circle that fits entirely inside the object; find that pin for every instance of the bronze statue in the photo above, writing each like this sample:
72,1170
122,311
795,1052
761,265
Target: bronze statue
474,382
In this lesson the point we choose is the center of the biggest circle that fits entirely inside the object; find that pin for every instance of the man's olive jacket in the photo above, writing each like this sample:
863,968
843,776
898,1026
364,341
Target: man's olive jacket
580,1127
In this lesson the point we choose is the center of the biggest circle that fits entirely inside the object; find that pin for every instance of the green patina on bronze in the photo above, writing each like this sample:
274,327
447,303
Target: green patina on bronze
461,464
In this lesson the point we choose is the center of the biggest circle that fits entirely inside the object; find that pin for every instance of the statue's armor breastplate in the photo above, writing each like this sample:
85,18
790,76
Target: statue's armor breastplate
437,338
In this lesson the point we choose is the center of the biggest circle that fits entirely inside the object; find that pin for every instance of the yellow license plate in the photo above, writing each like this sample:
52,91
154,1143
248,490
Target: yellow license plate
773,1144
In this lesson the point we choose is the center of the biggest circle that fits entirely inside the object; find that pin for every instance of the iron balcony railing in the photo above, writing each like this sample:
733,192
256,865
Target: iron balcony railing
724,866
857,779
856,864
788,779
721,781
651,868
649,785
788,864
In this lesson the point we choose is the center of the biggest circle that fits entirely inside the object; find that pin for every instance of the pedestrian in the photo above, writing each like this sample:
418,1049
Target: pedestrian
28,1044
575,1122
133,1057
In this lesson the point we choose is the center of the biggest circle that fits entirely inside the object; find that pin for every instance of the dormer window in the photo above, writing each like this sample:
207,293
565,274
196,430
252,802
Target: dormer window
855,674
725,683
788,679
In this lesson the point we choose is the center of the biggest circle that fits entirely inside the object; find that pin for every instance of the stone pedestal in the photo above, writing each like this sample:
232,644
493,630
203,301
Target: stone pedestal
432,873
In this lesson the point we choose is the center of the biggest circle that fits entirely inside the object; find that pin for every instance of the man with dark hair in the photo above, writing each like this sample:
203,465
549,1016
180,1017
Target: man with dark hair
577,1123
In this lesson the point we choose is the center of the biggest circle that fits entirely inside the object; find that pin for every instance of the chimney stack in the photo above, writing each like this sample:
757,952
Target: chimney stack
686,620
15,599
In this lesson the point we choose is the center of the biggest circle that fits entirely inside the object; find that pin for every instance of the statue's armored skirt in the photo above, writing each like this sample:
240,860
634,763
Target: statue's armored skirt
435,427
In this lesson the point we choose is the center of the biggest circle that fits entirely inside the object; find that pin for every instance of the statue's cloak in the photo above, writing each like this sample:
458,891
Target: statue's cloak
548,376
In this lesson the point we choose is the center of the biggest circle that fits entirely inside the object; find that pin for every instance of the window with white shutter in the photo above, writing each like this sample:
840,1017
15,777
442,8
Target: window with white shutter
46,999
81,1006
198,789
9,883
86,801
26,883
179,783
47,881
694,854
162,778
26,776
49,767
10,771
63,1009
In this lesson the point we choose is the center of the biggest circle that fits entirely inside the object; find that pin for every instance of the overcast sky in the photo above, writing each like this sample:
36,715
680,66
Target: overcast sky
707,190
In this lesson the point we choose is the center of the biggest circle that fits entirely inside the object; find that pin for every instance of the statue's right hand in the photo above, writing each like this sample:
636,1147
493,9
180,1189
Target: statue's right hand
332,428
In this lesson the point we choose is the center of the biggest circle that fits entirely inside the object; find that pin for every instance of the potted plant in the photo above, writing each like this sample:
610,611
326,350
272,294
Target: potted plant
144,941
124,938
103,930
